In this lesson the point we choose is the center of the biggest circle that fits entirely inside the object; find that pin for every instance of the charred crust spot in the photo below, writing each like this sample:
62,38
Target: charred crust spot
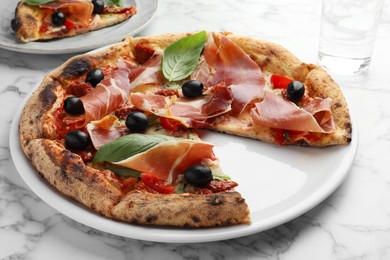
240,200
92,206
47,96
337,105
30,18
64,174
151,218
31,122
215,200
134,221
196,219
348,127
76,68
271,52
76,167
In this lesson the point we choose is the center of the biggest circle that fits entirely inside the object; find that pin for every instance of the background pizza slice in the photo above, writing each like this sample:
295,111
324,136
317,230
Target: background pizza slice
65,18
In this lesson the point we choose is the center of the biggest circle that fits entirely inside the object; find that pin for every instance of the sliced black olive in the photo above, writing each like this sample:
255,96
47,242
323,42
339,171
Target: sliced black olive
295,91
198,175
98,6
94,76
15,24
73,106
137,122
58,18
192,89
76,140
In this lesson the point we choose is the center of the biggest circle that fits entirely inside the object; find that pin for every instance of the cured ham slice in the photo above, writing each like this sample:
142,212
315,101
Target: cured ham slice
110,93
100,136
146,73
276,112
227,62
168,159
78,10
190,112
105,130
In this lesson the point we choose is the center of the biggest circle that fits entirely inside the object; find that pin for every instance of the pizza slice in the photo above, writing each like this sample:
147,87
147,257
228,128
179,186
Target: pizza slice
51,19
263,91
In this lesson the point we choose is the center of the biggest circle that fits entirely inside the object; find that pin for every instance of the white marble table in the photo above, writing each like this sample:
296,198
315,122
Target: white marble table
353,223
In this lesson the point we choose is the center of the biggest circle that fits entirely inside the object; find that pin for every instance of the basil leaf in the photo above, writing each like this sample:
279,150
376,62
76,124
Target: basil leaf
37,2
181,57
127,146
122,171
219,175
114,2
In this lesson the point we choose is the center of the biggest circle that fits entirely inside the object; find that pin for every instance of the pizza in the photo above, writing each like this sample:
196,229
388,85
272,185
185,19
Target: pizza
117,129
37,20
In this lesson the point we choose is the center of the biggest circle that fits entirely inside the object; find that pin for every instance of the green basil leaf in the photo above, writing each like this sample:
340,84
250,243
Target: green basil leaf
180,188
219,175
114,2
122,171
127,146
37,2
181,57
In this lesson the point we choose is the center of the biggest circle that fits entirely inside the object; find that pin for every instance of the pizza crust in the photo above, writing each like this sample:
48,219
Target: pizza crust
37,116
183,210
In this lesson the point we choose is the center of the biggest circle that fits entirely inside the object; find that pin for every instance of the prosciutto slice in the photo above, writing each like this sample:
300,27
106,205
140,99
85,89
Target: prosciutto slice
109,94
80,10
226,61
177,156
105,130
100,136
146,73
276,112
190,112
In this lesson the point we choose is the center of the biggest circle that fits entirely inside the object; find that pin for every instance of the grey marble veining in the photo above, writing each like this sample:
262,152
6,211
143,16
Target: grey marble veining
352,223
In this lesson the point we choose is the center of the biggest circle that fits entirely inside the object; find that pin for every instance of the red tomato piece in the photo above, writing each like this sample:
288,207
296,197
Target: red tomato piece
280,136
170,124
280,81
221,185
156,184
68,24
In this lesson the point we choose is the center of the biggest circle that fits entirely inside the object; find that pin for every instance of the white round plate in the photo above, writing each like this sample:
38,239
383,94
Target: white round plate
279,183
146,10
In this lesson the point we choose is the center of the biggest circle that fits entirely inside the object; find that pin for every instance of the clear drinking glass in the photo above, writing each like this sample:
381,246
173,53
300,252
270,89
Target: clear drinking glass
348,32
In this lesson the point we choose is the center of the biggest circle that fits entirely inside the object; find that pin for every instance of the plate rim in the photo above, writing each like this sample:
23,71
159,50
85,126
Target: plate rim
164,234
18,47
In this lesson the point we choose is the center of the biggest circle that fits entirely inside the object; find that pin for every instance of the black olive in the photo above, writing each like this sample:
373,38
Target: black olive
94,76
15,24
192,89
73,106
295,91
137,122
198,175
58,18
76,140
98,6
